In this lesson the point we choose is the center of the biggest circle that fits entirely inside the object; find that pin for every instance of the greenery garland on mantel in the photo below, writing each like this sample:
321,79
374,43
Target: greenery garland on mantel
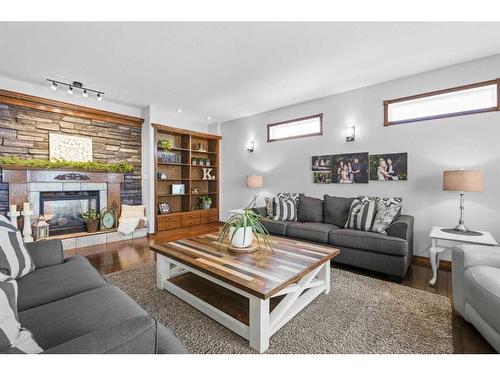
63,164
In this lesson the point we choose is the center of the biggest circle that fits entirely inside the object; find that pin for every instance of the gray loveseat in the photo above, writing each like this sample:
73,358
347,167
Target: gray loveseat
70,308
323,221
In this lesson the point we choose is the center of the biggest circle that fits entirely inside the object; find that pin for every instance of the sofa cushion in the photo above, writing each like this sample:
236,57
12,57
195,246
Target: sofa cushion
75,316
15,261
276,226
370,241
310,209
336,210
13,338
482,291
52,283
317,232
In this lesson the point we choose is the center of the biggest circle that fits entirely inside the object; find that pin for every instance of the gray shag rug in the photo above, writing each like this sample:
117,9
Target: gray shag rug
360,315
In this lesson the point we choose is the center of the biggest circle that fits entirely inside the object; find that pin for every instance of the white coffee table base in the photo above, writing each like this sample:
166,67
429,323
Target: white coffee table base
262,323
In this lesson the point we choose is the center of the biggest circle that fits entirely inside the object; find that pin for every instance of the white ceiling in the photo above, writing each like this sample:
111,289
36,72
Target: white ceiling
231,70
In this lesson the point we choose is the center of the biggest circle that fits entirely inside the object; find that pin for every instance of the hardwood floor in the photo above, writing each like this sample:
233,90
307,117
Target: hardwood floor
118,256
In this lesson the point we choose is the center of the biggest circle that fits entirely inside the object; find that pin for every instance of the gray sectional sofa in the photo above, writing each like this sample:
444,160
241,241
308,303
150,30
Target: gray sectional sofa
70,308
323,221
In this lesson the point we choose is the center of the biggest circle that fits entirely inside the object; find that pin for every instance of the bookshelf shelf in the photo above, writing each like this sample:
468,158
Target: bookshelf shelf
184,208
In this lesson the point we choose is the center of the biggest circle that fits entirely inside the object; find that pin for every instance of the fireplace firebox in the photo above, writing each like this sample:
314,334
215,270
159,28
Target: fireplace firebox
62,209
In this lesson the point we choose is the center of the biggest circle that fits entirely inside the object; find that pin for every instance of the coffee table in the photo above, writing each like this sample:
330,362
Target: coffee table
297,272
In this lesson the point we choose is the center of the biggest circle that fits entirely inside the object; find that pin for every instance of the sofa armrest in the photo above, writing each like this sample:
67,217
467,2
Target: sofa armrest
46,252
402,228
132,336
262,211
463,257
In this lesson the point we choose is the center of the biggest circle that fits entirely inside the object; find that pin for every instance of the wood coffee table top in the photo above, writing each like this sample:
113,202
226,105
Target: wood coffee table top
261,273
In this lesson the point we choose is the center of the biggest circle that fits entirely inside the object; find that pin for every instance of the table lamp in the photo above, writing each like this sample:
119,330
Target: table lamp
462,181
254,182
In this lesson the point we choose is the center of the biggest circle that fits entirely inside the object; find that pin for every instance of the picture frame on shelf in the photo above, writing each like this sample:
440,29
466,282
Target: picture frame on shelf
163,208
178,189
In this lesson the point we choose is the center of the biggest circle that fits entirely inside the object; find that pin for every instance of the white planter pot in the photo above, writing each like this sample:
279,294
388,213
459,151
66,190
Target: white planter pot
237,240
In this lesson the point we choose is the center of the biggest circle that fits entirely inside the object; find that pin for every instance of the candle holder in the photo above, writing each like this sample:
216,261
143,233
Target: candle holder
27,226
13,215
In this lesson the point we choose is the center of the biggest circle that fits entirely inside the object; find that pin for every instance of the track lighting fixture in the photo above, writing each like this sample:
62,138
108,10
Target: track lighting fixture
75,85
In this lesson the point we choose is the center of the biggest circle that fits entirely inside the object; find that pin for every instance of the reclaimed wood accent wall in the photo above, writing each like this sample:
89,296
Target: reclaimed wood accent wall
24,132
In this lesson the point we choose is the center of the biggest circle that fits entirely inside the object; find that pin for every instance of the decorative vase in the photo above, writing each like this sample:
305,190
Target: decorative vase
206,205
92,227
242,238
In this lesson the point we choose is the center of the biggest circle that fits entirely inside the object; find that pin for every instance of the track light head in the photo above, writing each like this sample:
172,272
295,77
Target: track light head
70,90
85,94
99,96
53,86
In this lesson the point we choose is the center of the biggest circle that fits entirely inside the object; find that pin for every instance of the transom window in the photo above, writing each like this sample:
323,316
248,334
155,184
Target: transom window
300,127
457,101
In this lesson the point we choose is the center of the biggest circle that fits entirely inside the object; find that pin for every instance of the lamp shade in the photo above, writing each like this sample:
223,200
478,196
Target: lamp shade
462,180
255,181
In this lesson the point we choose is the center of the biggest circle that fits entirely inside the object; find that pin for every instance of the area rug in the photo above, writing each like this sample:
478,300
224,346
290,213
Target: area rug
360,315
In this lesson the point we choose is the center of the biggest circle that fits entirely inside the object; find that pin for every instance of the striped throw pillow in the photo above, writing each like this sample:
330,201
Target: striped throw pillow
15,261
13,337
361,214
286,209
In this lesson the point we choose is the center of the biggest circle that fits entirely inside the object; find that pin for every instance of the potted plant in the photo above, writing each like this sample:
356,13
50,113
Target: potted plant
165,144
205,202
91,218
242,228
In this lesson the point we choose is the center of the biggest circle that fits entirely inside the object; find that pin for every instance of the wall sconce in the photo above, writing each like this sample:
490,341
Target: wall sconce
250,146
349,133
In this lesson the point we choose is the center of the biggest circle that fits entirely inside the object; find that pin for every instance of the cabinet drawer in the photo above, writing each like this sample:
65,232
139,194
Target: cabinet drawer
210,218
190,219
169,222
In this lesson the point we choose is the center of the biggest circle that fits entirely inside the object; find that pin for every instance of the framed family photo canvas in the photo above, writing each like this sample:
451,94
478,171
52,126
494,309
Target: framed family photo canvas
322,177
389,167
350,168
322,163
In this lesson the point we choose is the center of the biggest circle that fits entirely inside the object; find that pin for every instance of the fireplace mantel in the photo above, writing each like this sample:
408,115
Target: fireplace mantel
19,179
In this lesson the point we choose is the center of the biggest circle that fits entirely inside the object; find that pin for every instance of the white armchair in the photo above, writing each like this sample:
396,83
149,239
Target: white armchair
476,288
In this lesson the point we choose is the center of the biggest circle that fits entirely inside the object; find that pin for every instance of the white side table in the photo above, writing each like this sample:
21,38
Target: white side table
437,234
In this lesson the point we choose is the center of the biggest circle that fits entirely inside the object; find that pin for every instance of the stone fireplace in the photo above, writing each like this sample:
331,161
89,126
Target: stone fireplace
62,195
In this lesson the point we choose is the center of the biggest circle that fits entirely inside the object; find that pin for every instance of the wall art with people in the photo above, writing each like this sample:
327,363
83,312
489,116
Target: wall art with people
350,168
322,163
389,167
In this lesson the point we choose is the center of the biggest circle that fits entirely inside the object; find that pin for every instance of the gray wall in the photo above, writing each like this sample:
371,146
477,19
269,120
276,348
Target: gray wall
433,146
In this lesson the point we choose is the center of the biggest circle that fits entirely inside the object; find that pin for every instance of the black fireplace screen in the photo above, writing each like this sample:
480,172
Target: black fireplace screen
62,210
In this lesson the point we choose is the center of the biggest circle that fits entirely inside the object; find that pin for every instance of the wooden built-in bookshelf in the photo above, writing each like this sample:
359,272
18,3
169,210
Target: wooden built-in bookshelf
178,166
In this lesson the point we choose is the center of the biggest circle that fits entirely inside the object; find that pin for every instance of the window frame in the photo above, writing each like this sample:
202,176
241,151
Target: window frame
318,115
439,92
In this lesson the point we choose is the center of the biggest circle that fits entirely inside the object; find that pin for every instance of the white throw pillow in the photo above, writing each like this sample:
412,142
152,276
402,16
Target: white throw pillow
12,335
132,212
15,261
